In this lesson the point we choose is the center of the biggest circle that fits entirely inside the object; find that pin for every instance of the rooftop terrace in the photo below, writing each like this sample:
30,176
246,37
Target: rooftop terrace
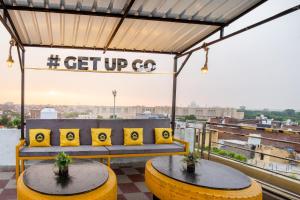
174,28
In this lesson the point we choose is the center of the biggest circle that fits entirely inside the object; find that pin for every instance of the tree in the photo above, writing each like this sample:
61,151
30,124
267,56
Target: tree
4,120
16,122
190,117
290,112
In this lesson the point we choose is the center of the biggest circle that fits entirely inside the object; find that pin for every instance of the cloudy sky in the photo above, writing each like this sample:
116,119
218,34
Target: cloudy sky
259,69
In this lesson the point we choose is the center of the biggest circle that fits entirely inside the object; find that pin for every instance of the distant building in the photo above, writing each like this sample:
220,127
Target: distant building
149,115
280,135
35,113
87,116
264,122
255,139
271,150
138,111
48,113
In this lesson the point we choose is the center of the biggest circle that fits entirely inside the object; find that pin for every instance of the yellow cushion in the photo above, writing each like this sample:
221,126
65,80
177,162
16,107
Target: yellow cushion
163,136
69,137
101,136
133,136
39,137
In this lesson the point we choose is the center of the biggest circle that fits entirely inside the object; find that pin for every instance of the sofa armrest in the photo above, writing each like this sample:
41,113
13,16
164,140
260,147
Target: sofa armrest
19,146
185,143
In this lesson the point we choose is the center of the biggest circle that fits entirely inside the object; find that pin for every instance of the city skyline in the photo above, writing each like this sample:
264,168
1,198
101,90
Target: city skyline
141,105
257,69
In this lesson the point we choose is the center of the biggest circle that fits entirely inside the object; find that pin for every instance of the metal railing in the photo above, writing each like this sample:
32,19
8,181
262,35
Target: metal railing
200,146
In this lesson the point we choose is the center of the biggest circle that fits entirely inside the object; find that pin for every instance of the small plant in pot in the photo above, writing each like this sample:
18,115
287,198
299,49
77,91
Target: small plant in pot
62,162
191,159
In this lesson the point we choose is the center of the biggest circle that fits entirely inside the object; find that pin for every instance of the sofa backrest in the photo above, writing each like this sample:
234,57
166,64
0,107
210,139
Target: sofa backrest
85,126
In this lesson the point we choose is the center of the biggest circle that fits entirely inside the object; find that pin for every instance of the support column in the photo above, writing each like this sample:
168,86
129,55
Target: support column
174,95
22,95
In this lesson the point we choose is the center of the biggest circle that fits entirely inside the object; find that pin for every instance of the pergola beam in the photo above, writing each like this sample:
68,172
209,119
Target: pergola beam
276,16
119,24
224,25
116,15
183,64
101,49
9,25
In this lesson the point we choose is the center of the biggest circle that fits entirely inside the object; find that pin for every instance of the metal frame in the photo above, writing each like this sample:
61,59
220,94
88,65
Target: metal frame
8,24
231,133
221,29
101,49
119,24
22,66
122,17
116,15
108,157
276,16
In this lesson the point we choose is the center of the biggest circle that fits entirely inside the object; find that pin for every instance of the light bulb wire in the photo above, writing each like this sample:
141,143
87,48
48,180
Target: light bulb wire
206,56
12,43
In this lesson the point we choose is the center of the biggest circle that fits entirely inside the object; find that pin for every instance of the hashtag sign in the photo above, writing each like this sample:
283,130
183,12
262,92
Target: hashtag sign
53,61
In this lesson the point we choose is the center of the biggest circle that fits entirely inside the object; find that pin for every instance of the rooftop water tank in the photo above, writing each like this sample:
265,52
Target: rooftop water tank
48,113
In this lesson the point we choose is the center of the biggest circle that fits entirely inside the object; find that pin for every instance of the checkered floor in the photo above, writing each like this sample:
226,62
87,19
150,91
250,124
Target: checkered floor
131,184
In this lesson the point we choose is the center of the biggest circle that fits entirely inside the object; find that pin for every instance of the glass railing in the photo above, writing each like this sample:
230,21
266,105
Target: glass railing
252,148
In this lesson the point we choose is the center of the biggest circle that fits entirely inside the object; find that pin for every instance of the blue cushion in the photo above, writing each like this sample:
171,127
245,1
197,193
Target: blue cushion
82,150
146,148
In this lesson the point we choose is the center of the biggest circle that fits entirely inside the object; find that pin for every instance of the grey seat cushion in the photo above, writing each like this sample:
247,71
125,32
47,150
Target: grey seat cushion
146,148
54,150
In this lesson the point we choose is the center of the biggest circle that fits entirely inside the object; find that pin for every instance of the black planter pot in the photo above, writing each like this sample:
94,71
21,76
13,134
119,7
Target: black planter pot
190,168
63,172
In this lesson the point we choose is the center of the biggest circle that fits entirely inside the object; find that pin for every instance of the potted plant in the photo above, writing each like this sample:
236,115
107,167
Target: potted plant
62,162
191,159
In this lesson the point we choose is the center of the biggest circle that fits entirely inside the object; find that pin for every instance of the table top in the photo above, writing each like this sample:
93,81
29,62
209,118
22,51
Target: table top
84,176
207,173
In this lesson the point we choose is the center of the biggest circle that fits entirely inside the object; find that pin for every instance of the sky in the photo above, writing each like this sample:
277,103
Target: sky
257,69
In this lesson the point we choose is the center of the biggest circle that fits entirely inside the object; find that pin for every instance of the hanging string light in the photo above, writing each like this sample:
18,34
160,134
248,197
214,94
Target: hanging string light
10,60
204,69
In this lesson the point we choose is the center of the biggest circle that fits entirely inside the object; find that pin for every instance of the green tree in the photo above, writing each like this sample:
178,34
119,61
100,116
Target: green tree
16,122
4,120
190,117
290,112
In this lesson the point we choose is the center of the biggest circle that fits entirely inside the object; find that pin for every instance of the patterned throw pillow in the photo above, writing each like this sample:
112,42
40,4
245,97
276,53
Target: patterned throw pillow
69,137
39,137
133,136
163,136
101,136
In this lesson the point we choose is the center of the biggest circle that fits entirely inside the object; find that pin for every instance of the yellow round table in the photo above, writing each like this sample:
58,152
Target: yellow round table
108,191
166,188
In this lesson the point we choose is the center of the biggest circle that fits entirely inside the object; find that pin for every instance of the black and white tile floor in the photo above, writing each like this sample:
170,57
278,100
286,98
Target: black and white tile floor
131,185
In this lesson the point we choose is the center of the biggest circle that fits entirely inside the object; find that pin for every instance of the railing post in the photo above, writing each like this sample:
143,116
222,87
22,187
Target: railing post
203,138
198,139
195,136
209,144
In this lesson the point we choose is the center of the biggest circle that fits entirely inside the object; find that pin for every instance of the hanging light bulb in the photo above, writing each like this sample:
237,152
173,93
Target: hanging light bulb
10,60
204,69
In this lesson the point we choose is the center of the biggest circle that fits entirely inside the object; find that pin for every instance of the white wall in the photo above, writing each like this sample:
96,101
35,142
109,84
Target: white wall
9,138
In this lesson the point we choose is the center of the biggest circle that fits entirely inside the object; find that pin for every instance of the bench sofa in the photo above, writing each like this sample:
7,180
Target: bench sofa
86,150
